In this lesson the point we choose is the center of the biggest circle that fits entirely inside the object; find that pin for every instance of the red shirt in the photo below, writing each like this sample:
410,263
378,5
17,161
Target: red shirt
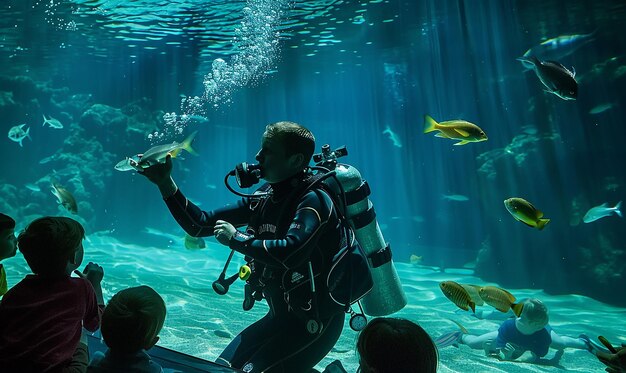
41,321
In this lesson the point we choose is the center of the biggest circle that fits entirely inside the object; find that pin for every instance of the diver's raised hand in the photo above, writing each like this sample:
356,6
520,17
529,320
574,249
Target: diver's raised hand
158,173
161,175
224,231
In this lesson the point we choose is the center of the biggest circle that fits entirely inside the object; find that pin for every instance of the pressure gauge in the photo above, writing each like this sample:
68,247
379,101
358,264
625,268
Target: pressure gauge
358,322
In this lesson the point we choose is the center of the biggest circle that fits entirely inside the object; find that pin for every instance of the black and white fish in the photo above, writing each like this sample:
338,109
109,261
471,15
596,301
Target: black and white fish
555,77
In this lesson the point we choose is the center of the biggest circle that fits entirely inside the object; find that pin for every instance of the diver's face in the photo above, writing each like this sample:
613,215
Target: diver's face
8,243
274,163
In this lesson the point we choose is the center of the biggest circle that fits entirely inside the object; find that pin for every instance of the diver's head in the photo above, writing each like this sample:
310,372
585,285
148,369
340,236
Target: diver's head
534,317
396,345
7,237
286,149
52,245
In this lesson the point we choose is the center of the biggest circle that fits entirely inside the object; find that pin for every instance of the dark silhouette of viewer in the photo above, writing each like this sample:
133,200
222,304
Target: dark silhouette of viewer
131,324
42,317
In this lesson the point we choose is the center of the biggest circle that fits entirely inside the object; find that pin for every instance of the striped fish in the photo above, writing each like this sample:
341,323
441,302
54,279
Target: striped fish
458,295
448,339
473,291
500,299
452,338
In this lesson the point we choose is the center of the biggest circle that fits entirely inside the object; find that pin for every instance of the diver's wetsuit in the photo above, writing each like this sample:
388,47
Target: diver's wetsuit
278,342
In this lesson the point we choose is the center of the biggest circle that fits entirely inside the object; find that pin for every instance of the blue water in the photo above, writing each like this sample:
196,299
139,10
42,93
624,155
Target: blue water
119,76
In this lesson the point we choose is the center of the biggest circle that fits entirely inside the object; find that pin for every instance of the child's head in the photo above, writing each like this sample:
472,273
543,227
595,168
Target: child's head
7,237
286,149
534,316
396,345
52,245
133,319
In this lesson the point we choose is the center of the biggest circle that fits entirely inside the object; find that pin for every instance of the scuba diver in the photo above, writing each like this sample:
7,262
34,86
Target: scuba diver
292,232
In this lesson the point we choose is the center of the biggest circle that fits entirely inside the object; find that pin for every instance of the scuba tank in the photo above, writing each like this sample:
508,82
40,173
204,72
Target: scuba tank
387,295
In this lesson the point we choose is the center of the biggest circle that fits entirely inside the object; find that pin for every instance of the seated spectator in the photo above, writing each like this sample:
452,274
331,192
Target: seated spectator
396,346
131,324
392,345
42,316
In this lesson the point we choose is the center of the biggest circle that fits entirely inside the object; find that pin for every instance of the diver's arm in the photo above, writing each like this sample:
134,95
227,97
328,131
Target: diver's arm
167,188
199,223
312,214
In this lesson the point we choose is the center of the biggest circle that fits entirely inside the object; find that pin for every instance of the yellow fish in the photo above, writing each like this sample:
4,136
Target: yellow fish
525,212
500,299
458,295
415,259
157,154
456,129
194,243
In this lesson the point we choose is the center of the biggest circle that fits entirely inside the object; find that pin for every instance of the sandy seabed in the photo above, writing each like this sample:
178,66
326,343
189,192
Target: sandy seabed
201,323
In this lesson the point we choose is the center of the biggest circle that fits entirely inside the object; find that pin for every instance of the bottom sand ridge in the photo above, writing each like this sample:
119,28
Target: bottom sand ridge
201,323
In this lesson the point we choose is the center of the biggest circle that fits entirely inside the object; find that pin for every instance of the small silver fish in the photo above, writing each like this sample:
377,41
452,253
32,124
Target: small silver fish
53,123
529,129
455,197
557,48
599,212
47,159
32,187
17,133
393,137
358,20
159,233
128,164
602,108
193,117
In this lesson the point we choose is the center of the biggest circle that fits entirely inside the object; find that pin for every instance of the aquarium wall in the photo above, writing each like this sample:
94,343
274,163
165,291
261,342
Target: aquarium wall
121,77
